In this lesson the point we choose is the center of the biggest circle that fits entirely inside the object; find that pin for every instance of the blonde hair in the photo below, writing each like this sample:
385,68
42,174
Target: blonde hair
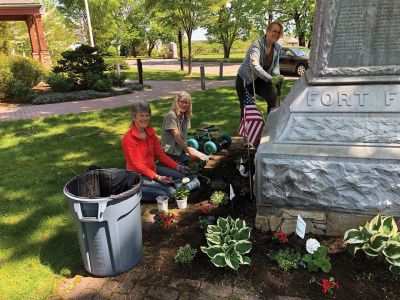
269,27
182,96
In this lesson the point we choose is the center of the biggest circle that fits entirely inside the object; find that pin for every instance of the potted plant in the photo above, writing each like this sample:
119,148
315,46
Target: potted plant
181,194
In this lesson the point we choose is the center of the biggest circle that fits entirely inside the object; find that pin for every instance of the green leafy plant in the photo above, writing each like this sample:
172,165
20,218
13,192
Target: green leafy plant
378,238
181,193
319,259
219,198
228,242
60,82
164,219
196,166
218,185
185,255
204,221
286,258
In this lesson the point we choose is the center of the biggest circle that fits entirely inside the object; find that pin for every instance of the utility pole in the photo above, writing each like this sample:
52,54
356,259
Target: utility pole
89,23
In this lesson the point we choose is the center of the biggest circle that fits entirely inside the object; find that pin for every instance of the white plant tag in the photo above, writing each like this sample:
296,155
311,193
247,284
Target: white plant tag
301,227
231,193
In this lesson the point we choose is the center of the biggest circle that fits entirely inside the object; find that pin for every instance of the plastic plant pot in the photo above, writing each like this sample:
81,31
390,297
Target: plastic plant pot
162,202
182,203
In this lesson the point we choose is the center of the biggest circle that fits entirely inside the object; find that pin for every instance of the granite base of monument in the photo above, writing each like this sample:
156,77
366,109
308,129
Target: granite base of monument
330,153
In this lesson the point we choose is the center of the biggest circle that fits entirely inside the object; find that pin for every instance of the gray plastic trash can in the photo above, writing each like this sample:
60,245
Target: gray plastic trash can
105,204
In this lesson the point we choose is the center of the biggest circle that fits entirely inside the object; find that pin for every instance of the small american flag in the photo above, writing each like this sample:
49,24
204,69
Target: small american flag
252,123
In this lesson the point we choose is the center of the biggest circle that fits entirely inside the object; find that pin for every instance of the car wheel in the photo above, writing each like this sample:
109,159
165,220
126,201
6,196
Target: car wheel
300,69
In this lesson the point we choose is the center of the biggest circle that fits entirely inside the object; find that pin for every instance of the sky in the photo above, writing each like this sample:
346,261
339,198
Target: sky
199,35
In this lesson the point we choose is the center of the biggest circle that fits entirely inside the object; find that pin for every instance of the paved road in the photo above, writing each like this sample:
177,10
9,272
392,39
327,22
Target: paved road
158,90
174,65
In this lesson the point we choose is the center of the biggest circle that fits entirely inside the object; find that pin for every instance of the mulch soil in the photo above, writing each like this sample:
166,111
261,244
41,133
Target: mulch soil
358,277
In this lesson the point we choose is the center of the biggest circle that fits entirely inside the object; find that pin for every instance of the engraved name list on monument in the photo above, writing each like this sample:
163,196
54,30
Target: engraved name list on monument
367,33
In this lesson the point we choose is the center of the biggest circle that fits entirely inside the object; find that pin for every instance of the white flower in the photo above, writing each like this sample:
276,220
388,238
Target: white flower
185,180
312,245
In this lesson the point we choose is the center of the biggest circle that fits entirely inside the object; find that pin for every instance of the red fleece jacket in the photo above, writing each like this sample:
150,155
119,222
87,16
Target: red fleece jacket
139,153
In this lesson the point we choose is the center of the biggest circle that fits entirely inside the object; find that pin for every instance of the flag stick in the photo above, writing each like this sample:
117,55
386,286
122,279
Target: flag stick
248,160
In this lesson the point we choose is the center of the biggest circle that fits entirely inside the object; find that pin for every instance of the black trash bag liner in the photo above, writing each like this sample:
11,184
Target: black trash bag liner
100,183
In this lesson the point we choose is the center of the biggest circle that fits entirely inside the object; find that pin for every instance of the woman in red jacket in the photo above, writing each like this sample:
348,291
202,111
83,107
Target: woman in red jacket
141,146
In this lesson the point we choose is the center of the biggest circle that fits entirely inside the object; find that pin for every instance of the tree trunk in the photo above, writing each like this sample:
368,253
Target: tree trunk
151,47
300,32
189,36
227,50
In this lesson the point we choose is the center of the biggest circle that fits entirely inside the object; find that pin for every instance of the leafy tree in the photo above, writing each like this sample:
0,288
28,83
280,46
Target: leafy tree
104,16
301,12
232,22
186,14
5,38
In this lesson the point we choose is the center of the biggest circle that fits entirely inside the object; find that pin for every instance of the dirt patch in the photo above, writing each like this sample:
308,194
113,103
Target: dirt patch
359,277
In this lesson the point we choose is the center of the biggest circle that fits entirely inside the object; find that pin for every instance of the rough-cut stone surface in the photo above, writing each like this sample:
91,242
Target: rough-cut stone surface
316,184
318,222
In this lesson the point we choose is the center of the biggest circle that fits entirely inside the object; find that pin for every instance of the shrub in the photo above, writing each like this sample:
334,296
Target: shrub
103,85
60,82
378,238
6,77
77,96
117,79
218,185
111,63
227,242
19,92
17,77
185,255
27,71
81,61
286,258
219,198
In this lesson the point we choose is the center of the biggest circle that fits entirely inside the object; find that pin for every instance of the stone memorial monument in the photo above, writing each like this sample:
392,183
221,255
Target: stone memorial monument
331,152
172,50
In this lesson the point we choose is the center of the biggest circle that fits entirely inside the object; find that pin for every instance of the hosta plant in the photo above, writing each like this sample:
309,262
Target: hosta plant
377,238
228,242
219,198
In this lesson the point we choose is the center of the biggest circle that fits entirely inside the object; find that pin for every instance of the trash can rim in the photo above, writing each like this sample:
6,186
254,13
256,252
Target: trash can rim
134,190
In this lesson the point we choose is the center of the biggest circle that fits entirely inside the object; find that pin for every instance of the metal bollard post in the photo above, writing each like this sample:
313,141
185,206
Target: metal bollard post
118,68
202,78
140,70
221,70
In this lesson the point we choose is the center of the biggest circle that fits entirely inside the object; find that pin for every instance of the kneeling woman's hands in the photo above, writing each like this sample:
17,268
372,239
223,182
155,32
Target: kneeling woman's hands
164,179
183,169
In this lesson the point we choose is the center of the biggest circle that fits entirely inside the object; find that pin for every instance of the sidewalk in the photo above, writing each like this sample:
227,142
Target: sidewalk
158,90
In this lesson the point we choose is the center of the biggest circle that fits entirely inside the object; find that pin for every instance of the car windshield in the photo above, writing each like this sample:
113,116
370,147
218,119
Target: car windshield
300,52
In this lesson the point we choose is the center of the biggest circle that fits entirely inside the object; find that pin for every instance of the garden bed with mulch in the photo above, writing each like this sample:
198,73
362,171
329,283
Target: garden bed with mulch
358,277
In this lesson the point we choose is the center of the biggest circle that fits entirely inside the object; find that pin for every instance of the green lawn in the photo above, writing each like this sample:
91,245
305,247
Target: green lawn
151,74
38,245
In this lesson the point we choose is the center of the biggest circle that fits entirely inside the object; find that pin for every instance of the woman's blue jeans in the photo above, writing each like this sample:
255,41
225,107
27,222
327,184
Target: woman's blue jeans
151,189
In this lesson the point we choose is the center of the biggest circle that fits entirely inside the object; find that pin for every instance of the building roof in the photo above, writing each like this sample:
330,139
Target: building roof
16,3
